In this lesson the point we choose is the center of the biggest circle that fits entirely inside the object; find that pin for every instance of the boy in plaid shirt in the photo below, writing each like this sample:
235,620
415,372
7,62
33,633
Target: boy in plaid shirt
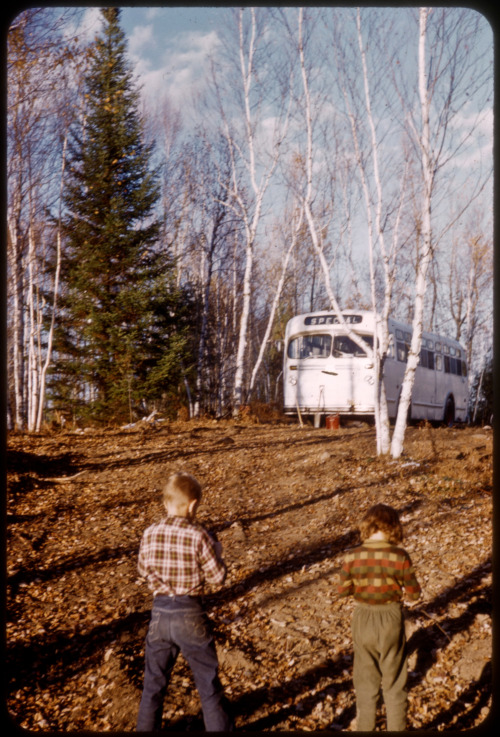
177,556
378,573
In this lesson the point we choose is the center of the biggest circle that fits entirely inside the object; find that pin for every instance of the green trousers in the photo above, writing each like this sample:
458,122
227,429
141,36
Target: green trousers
380,661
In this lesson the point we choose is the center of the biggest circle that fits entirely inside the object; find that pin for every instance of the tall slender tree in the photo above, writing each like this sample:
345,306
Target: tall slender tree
41,60
114,276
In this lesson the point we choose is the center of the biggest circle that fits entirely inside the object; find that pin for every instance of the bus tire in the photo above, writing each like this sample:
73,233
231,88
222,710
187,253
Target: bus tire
449,412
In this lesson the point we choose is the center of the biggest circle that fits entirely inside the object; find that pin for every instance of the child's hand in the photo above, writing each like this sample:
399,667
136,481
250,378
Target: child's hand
217,544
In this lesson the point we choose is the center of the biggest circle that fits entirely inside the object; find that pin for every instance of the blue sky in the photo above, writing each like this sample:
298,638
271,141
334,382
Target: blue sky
169,46
171,20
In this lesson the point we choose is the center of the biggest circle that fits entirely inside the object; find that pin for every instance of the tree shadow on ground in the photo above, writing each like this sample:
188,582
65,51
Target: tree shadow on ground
294,697
426,641
70,563
310,501
53,659
469,706
300,441
34,468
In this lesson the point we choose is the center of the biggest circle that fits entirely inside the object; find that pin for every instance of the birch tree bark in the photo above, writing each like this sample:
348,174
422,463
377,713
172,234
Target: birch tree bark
252,167
424,257
50,333
16,282
451,76
39,64
376,233
32,310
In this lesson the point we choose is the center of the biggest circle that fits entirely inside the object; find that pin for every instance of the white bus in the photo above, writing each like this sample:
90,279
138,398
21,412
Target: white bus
326,373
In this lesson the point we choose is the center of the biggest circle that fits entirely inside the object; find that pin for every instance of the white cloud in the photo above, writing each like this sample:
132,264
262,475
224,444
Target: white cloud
181,70
142,38
153,13
88,26
91,24
470,120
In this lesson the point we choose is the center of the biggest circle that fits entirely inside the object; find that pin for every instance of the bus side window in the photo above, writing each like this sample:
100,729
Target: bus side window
402,349
464,368
427,358
439,362
447,368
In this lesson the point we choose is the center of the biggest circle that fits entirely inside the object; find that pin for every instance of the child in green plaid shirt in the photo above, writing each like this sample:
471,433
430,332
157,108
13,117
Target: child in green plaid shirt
177,557
378,574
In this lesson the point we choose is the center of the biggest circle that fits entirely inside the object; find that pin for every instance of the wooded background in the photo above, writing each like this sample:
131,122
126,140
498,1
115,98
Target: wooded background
339,158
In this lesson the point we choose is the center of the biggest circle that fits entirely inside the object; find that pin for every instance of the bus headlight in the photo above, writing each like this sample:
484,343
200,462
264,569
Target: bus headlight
292,380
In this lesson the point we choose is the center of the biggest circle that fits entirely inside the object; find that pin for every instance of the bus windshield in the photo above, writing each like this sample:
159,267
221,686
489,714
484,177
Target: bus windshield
342,344
320,345
310,346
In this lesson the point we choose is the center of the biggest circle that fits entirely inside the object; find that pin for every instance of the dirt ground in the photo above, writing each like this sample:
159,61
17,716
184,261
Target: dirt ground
285,502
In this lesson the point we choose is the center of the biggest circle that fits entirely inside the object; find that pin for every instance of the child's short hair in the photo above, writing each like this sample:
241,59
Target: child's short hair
382,518
181,488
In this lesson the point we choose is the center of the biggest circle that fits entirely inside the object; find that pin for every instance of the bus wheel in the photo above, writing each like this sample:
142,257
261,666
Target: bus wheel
449,412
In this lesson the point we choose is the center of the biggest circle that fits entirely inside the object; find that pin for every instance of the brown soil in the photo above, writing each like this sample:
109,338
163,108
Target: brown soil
285,502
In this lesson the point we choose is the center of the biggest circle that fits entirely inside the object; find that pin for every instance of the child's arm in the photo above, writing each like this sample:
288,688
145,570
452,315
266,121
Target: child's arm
345,585
214,568
412,590
141,561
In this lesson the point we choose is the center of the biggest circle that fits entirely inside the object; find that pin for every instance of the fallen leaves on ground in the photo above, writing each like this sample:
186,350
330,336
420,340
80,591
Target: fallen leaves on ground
285,501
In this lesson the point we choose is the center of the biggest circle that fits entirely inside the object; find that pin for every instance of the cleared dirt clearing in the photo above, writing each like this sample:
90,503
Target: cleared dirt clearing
285,502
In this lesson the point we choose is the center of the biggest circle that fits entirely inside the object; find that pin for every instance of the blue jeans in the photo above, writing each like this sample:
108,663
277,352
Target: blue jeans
179,624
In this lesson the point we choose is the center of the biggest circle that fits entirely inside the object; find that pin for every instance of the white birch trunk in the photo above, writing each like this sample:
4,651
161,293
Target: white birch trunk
32,388
425,256
247,74
243,327
381,337
258,190
17,287
50,335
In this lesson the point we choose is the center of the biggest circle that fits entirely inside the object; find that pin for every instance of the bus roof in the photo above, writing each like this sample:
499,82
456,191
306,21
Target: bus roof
357,320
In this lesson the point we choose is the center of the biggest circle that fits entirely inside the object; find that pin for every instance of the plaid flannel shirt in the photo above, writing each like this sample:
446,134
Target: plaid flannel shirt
177,556
377,572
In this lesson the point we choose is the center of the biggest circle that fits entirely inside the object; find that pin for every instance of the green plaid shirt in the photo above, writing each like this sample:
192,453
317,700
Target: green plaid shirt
177,556
377,572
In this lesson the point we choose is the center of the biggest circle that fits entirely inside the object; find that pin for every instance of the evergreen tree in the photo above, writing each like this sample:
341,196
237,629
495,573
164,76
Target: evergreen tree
116,281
